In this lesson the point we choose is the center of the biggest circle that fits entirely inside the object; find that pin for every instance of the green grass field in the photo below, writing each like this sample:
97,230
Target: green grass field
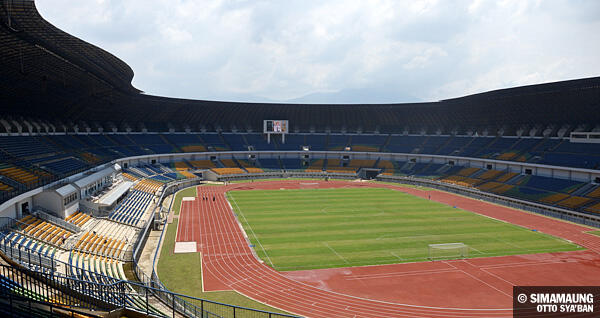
188,192
324,228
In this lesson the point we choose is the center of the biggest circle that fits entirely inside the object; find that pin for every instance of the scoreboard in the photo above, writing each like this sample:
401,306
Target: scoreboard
280,127
275,126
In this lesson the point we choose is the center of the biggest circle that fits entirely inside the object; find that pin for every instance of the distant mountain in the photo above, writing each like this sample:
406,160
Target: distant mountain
356,96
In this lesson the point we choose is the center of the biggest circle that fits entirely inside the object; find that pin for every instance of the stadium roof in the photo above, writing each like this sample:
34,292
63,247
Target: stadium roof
49,74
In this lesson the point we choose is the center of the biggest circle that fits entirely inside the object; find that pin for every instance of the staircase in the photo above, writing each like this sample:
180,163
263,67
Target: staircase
385,143
163,138
585,189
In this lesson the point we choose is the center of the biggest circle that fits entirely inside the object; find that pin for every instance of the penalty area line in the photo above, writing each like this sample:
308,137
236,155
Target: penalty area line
336,253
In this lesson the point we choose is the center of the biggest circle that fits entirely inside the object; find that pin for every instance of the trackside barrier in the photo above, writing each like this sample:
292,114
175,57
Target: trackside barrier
554,212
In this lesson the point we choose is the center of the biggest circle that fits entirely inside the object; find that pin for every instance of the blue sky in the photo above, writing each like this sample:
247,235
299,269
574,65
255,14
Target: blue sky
349,51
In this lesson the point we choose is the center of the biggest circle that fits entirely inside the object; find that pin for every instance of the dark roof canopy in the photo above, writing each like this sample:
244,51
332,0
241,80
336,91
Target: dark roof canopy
49,74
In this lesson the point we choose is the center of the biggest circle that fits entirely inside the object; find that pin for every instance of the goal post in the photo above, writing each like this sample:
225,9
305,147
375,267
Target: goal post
448,251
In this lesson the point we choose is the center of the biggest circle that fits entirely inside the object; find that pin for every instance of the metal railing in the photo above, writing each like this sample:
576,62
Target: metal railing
13,304
52,288
45,215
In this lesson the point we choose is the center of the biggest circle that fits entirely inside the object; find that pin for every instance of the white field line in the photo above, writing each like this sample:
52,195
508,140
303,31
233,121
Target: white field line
492,286
251,230
396,255
336,253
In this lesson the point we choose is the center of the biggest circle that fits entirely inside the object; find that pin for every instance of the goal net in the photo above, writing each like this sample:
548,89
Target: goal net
448,251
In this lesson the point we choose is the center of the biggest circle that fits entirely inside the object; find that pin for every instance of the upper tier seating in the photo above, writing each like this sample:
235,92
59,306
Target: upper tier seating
404,144
259,142
28,161
65,166
315,142
215,141
18,174
26,146
236,142
372,143
338,142
186,142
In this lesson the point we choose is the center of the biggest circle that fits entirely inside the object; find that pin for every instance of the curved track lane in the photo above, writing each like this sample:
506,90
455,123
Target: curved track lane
228,261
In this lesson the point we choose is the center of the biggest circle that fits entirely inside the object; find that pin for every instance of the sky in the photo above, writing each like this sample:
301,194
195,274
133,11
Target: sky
349,51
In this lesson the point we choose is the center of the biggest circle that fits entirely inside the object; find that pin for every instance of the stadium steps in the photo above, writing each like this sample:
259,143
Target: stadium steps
538,145
108,137
376,165
408,166
443,169
419,148
202,142
442,146
478,173
188,163
584,190
556,146
385,143
224,141
589,204
275,141
515,179
95,143
166,141
465,146
131,142
485,148
244,139
52,142
239,165
424,168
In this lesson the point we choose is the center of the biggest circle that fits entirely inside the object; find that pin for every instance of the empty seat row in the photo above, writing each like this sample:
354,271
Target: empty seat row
78,218
131,210
43,230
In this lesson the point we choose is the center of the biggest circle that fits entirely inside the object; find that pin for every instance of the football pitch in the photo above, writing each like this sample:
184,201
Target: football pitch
326,228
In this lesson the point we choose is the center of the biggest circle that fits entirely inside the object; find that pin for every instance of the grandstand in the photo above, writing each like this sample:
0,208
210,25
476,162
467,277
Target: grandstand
74,113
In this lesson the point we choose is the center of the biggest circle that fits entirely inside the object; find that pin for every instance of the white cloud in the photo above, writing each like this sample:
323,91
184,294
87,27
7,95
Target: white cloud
399,51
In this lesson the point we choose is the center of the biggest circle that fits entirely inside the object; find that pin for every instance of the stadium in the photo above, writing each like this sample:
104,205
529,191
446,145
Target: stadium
115,202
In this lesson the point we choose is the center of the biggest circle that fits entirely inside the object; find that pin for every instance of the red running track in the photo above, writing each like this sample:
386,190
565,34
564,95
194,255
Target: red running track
470,288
